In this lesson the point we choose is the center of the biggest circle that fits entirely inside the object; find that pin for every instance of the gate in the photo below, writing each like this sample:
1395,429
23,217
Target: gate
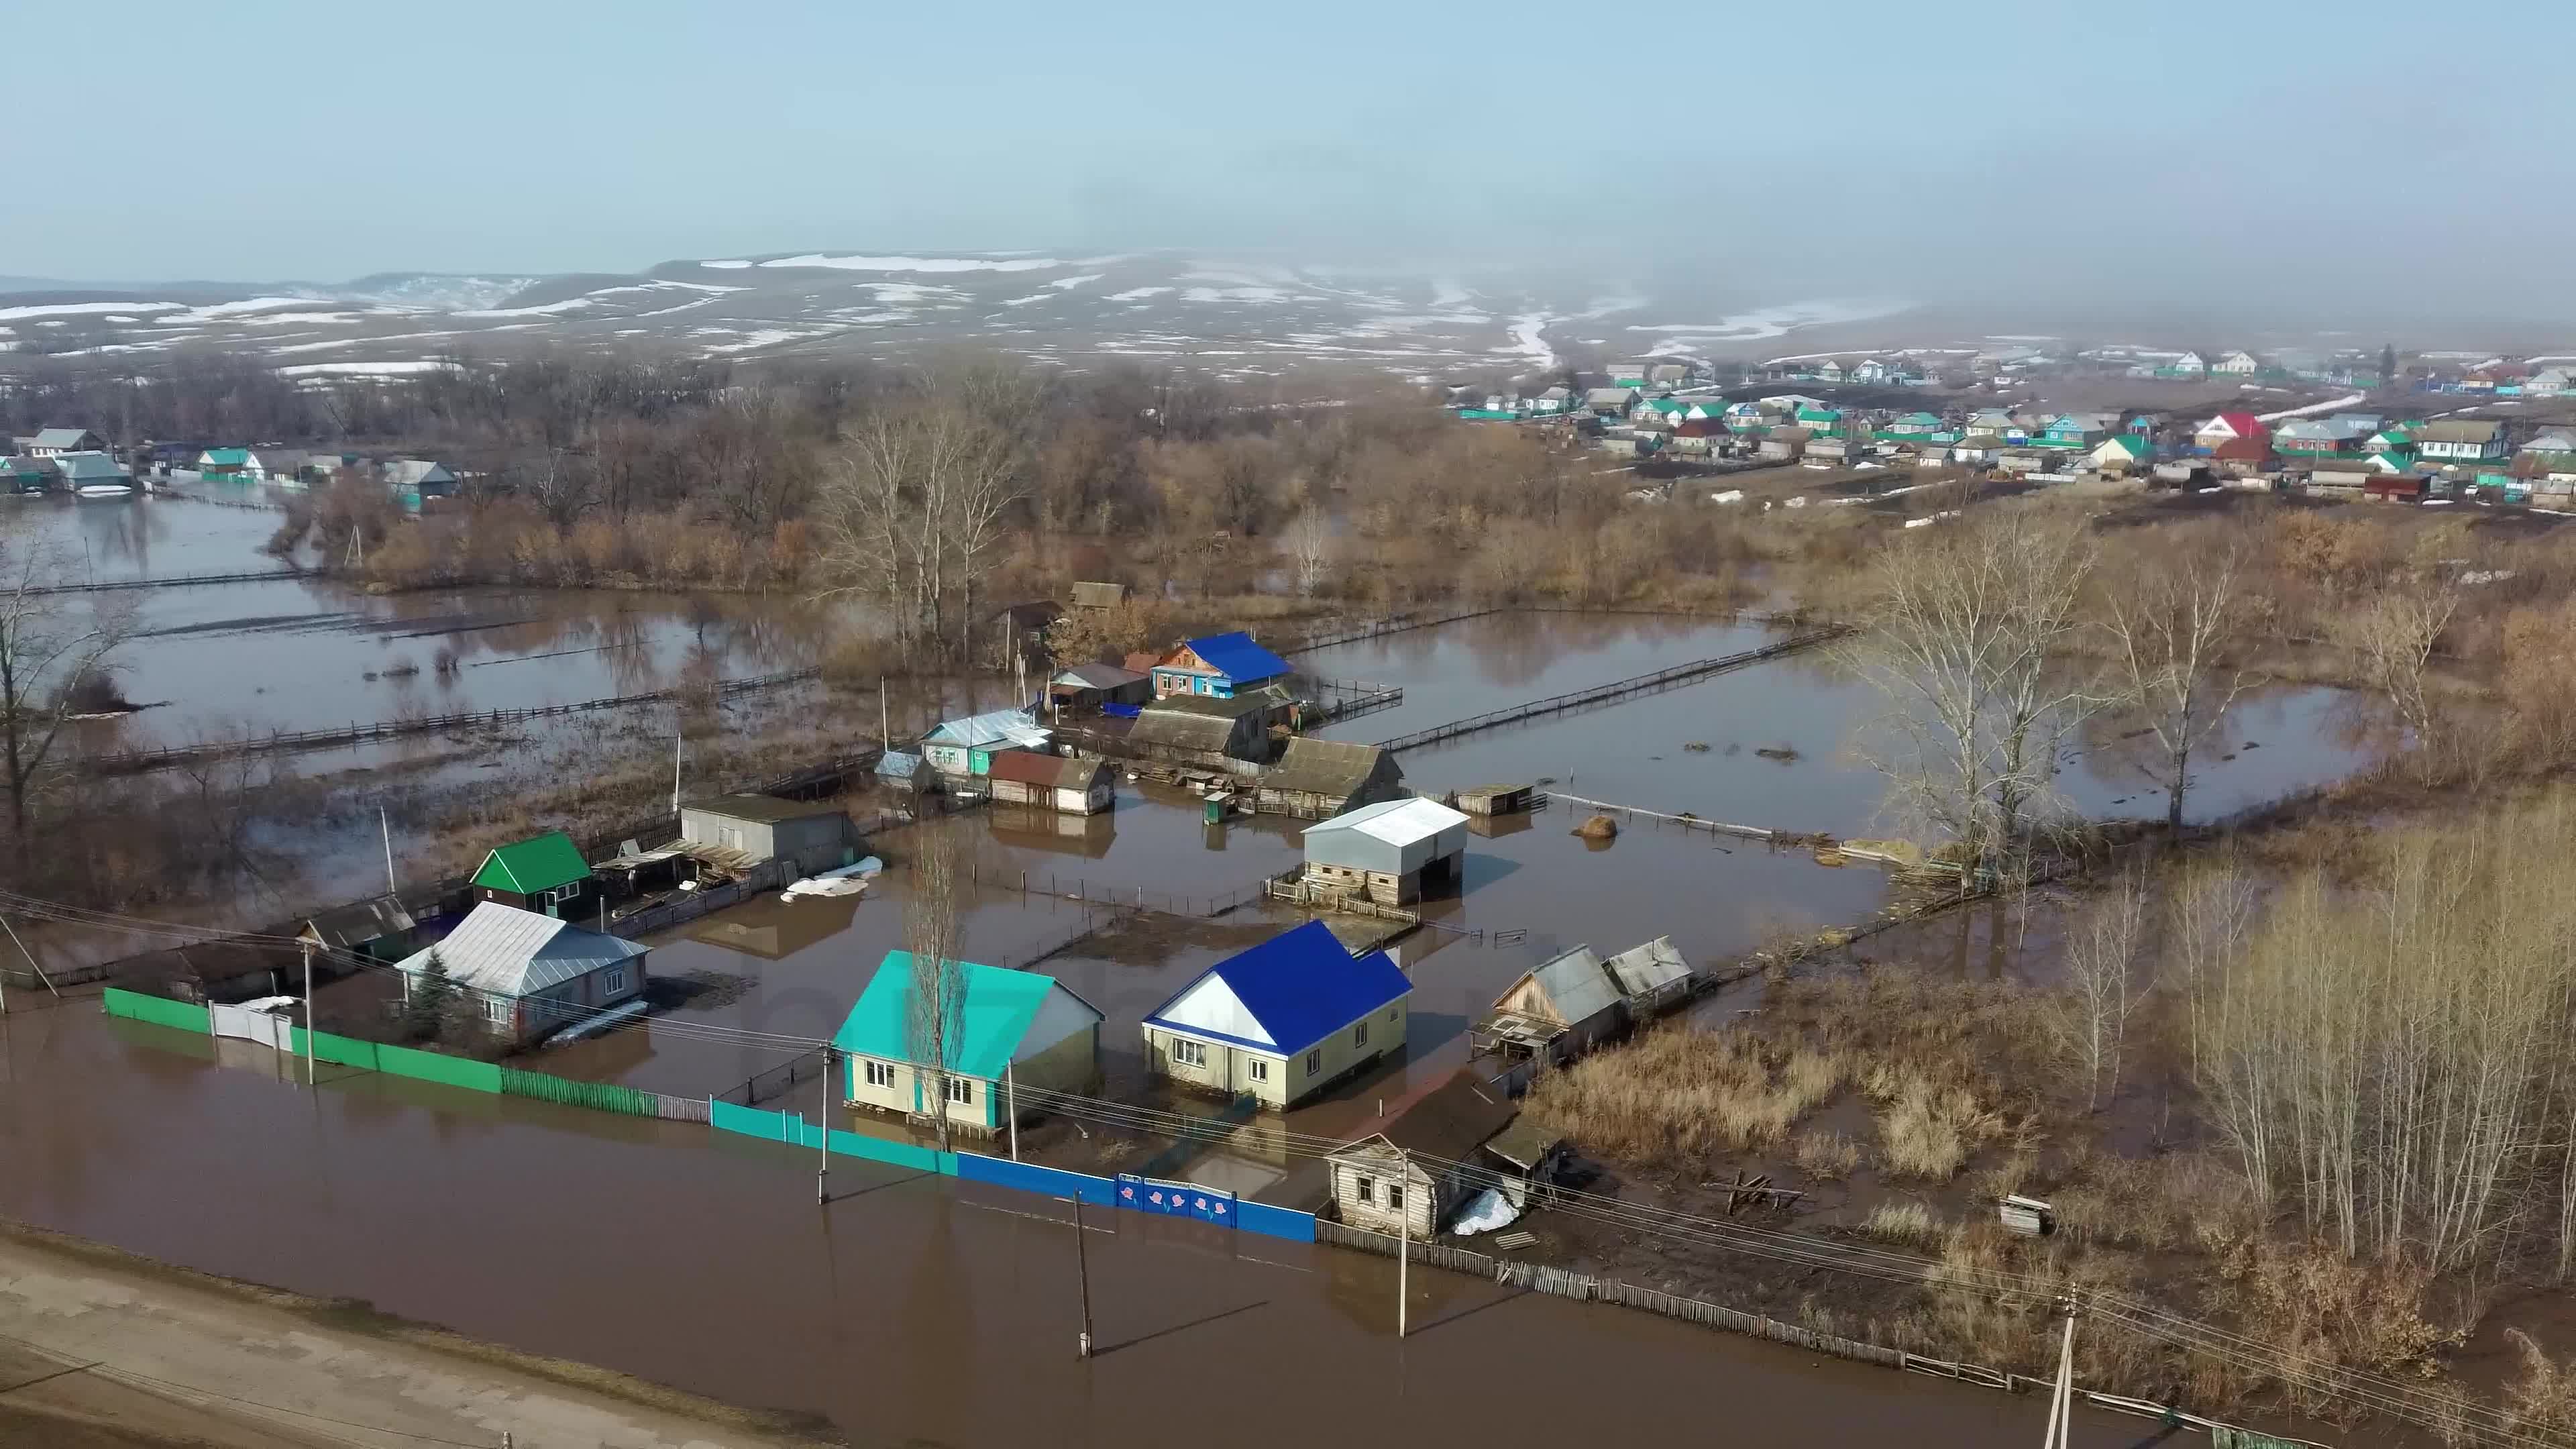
272,1031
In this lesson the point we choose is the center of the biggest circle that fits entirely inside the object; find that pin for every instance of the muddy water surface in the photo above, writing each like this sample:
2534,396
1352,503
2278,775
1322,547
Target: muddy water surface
911,1310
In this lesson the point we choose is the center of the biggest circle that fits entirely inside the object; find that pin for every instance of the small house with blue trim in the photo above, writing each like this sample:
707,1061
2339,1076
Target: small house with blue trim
1216,667
1008,1031
1281,1021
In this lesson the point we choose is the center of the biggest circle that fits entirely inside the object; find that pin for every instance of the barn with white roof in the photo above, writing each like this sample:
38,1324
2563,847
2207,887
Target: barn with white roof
1389,851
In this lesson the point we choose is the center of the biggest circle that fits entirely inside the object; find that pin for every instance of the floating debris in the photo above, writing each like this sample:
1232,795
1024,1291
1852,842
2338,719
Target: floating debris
1783,754
1697,747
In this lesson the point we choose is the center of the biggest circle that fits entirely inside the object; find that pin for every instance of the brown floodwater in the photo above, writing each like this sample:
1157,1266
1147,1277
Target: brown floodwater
912,1310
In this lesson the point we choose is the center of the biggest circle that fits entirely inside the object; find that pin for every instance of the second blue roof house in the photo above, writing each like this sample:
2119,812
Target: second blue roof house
1215,666
1281,1021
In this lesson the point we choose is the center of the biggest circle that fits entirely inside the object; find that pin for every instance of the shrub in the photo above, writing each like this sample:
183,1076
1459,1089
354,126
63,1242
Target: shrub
1827,1155
1904,1222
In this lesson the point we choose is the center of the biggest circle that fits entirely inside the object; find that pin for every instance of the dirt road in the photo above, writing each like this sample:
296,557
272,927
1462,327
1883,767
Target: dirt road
99,1350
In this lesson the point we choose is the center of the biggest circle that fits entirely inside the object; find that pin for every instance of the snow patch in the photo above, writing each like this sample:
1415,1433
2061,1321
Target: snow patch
1137,294
1069,283
548,309
917,264
1530,340
2347,400
83,309
360,369
1780,321
1235,294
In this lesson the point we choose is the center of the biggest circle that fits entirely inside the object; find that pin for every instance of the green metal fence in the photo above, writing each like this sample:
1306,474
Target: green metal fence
160,1011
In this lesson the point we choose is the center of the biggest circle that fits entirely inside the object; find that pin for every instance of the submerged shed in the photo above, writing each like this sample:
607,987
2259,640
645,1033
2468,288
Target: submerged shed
1317,779
1560,1010
1202,730
1650,976
1388,851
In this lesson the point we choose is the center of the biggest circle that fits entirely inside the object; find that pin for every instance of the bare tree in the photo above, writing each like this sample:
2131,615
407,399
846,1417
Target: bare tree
1965,640
53,652
2393,635
2102,988
940,877
913,508
2179,630
1308,538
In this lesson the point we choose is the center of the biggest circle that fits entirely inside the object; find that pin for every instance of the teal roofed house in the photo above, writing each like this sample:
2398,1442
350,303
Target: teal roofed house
1011,1031
1911,425
1825,418
223,460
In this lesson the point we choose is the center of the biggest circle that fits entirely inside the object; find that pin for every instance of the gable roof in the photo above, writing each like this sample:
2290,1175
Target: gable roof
59,437
89,468
1096,676
2243,425
1397,822
765,809
1648,968
511,952
2460,430
226,457
993,727
1576,984
347,927
1235,656
998,1007
1323,767
1063,772
2130,443
1293,990
1188,722
538,863
1449,1122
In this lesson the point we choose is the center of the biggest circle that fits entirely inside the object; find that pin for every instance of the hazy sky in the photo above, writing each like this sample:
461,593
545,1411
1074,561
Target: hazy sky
1960,150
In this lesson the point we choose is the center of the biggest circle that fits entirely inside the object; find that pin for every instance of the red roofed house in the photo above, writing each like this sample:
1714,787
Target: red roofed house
2232,428
2239,457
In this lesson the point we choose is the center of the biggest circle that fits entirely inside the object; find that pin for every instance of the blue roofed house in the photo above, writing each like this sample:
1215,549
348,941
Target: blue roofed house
1280,1021
1216,666
1011,1030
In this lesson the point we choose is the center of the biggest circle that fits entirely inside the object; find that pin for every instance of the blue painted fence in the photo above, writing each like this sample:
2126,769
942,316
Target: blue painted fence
1143,1194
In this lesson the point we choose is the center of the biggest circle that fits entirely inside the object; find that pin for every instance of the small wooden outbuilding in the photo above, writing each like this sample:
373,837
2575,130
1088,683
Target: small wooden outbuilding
1067,784
1318,779
1195,730
1410,1176
1559,1010
1089,686
1496,799
813,836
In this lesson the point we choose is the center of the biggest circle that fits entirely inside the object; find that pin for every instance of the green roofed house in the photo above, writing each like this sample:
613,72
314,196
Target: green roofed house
1014,1031
543,873
223,461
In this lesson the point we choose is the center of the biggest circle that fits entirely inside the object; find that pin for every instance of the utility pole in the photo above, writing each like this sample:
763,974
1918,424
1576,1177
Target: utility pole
885,723
32,963
823,1163
308,1012
1403,1237
1011,1090
2061,1395
675,764
386,821
1082,1266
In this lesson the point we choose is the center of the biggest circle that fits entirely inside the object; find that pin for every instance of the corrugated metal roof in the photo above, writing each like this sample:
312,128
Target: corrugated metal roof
1181,729
763,809
1097,676
898,765
999,726
1650,967
356,925
1236,657
1578,985
1398,822
539,863
89,468
998,1005
511,952
59,437
1323,767
1303,985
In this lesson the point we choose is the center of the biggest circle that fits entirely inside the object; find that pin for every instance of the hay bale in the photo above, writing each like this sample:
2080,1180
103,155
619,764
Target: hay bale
1599,827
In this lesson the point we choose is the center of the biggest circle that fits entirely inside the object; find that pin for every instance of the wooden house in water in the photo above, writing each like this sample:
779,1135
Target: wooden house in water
1216,734
1067,784
1388,852
1319,779
1410,1176
378,929
962,749
524,976
1559,1010
543,873
1013,1029
1282,1020
1650,977
810,835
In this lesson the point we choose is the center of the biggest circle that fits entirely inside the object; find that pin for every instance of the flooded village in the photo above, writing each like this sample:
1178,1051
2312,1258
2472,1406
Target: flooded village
1441,980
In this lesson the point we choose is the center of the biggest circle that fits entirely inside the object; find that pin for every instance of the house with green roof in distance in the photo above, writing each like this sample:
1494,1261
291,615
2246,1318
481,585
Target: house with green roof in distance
543,873
1820,419
1911,425
223,462
2127,452
1011,1031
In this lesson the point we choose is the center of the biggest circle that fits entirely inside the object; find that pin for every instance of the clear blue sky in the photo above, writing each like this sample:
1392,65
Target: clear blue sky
1995,143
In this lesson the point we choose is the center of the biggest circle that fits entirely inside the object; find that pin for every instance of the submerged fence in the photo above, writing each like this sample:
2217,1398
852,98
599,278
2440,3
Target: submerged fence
1678,674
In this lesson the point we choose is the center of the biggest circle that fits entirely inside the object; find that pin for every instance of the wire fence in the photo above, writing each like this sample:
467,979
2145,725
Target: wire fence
1678,674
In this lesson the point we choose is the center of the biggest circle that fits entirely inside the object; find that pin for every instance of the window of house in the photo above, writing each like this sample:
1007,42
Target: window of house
1359,1035
615,980
1314,1061
1395,1197
1260,1070
1367,1189
497,1010
961,1090
1390,1015
880,1074
1188,1053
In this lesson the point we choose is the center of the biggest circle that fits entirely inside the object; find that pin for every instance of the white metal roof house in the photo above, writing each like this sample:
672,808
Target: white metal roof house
526,975
50,442
1387,851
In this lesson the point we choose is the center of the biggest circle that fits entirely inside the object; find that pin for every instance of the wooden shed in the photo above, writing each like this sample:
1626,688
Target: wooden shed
1318,779
1201,730
1098,595
1497,799
1070,785
1560,1010
1089,686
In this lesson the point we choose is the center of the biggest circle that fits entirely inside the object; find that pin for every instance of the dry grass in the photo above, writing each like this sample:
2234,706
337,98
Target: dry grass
1679,1095
1905,1222
1827,1155
1929,1130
